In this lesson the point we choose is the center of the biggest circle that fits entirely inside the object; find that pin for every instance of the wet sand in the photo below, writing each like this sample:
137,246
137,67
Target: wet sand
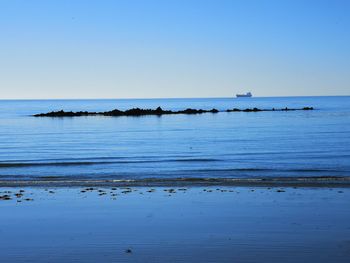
175,224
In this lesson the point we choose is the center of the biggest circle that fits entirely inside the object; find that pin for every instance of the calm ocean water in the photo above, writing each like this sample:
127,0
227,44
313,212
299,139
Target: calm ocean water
230,145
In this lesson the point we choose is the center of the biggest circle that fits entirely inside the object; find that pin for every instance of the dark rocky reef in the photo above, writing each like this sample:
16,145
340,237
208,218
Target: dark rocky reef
131,112
273,109
159,111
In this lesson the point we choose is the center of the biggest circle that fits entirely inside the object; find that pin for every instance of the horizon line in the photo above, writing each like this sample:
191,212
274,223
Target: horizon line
154,98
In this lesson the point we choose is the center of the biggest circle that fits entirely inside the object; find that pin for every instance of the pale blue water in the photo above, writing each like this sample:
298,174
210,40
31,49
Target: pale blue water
233,145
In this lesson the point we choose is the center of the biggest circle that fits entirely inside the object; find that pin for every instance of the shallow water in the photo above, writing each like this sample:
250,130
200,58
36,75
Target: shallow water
239,224
230,145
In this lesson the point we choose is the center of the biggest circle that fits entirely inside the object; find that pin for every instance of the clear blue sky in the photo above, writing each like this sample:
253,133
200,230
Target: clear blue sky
173,48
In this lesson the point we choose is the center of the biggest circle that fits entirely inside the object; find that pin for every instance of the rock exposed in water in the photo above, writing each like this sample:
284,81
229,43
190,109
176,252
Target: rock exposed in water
158,111
130,112
273,109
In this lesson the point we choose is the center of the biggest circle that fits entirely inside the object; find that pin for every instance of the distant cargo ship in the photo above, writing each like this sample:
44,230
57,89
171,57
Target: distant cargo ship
247,95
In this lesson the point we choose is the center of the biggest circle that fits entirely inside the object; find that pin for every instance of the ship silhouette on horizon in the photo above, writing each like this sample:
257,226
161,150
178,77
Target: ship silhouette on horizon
247,95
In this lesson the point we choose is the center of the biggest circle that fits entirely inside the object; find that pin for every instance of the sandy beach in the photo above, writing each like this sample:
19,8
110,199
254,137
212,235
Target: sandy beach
162,224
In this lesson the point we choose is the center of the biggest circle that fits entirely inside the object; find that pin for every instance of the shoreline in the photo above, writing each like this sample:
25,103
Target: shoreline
317,182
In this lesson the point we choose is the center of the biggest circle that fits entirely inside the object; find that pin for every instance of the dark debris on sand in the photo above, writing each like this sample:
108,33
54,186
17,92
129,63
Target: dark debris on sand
5,197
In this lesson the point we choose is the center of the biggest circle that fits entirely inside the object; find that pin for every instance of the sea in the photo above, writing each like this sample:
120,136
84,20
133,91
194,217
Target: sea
209,146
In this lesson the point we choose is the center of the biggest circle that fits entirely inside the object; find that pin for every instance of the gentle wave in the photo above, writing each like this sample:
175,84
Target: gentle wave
93,159
229,170
266,170
8,165
24,164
